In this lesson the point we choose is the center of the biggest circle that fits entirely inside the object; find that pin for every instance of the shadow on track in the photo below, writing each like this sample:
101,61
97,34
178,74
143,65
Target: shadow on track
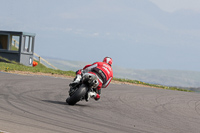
55,102
64,103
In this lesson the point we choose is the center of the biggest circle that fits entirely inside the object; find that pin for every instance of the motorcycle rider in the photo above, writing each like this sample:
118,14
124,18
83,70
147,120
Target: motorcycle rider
102,70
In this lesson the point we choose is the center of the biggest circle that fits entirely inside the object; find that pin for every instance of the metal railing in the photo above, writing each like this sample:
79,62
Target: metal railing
43,61
15,43
36,56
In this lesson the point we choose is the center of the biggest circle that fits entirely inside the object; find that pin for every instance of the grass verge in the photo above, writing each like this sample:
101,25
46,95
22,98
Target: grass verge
9,66
150,85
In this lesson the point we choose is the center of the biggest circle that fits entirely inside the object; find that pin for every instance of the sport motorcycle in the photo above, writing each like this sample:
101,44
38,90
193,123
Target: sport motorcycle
80,91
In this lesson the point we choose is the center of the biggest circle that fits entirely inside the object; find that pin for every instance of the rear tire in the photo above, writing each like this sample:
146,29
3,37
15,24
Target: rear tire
77,96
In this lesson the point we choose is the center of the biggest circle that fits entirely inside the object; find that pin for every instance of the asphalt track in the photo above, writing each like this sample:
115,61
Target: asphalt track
36,104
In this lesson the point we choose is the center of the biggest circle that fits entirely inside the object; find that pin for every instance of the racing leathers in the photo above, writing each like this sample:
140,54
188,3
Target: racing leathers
104,74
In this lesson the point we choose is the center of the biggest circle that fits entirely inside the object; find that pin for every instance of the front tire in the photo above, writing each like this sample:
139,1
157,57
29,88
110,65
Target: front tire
77,96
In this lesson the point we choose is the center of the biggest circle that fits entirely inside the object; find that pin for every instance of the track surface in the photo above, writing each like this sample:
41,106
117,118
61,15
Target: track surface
36,104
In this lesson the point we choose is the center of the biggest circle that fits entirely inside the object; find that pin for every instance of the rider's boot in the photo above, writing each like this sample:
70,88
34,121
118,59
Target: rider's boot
76,81
92,95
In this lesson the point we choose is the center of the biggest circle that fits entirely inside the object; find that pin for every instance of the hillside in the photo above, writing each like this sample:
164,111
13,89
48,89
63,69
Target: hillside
178,78
40,69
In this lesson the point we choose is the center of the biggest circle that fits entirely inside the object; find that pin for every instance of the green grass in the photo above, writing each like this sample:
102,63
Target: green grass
14,48
14,66
150,85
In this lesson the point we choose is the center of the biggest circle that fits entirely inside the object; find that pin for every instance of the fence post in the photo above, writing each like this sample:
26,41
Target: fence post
39,59
15,43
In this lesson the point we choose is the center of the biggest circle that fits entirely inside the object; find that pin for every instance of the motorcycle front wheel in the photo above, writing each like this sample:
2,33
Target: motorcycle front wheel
77,95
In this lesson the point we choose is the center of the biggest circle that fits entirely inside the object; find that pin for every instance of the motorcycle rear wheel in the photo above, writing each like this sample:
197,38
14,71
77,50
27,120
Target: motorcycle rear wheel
77,95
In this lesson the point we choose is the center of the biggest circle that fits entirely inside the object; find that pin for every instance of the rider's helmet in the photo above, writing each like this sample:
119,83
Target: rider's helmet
108,60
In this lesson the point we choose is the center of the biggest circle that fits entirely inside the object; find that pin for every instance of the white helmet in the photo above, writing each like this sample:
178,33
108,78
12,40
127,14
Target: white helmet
108,60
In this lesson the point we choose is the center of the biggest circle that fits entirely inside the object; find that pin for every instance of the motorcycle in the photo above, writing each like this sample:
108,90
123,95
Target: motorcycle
80,91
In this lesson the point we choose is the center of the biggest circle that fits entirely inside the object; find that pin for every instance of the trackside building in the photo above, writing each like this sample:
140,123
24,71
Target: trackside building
17,46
